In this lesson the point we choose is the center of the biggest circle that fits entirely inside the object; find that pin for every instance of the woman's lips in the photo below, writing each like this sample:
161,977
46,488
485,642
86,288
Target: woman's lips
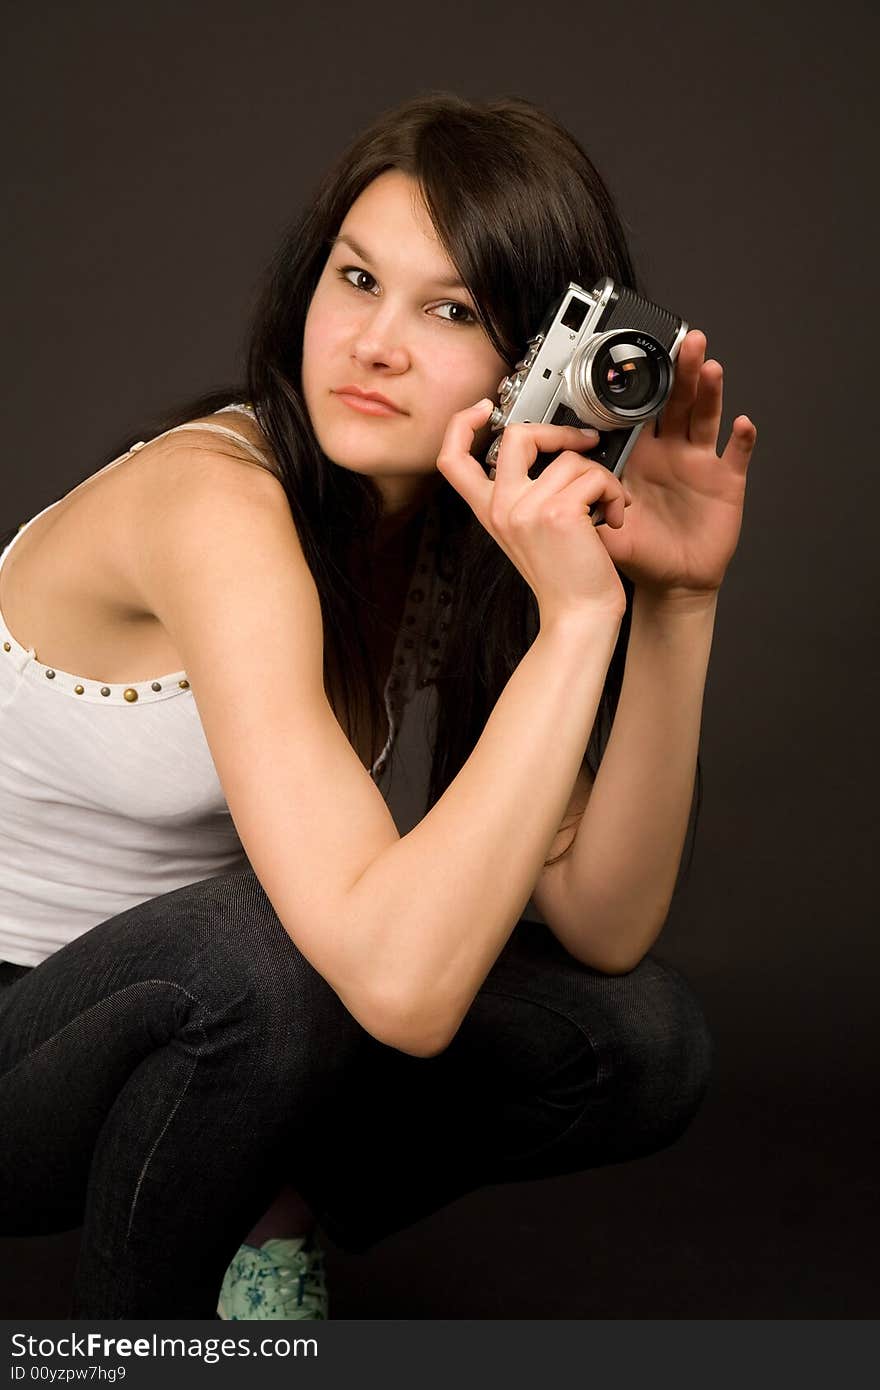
365,406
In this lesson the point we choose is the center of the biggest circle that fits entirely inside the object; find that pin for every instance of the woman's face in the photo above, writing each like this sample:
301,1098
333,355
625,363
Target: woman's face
389,316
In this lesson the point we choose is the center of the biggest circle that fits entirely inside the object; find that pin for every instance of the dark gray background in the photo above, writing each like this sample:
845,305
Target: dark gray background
153,155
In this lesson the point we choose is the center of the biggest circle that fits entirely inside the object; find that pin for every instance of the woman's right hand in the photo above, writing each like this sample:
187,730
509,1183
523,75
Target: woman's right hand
542,524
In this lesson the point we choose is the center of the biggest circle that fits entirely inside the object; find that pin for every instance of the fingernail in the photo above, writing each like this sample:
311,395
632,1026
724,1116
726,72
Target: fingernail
590,433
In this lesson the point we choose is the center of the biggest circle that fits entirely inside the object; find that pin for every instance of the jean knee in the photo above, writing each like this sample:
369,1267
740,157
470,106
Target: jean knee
243,967
525,1068
656,1052
624,1065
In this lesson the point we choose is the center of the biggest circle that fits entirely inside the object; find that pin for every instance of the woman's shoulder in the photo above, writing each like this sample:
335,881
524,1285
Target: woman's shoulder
71,583
229,433
223,453
201,469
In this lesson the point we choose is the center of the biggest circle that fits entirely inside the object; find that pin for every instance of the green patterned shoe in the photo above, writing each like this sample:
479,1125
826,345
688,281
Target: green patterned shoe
282,1279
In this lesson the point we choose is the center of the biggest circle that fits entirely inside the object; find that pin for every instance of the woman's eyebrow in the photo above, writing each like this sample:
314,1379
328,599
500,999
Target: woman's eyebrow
365,256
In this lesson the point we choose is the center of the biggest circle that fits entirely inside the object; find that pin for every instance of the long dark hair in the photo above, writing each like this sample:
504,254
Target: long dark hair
520,210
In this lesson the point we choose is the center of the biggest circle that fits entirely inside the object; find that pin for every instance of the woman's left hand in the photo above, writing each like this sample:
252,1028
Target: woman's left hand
682,526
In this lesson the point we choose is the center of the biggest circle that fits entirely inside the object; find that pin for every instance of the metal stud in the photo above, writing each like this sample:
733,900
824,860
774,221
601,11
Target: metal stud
105,690
6,647
50,675
78,689
156,686
130,695
184,685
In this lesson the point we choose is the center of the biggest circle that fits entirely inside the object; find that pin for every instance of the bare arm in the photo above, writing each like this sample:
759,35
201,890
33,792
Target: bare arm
404,930
452,890
608,899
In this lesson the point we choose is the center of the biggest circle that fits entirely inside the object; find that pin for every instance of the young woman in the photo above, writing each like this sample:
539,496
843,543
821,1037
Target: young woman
237,1000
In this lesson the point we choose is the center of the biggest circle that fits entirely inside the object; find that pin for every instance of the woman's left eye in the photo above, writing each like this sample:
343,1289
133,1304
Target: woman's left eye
468,317
351,273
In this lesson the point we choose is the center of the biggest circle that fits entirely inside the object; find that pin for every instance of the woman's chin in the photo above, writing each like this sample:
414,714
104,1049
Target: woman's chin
375,462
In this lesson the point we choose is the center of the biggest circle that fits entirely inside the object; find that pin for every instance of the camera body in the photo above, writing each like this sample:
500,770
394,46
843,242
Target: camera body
602,357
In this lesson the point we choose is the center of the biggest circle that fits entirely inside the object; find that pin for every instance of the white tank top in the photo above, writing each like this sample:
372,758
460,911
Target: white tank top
108,792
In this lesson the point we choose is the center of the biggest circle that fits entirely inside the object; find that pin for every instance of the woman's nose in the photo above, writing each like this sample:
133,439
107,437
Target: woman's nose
379,343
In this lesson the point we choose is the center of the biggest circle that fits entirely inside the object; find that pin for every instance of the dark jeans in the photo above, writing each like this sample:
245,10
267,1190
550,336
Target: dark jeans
163,1075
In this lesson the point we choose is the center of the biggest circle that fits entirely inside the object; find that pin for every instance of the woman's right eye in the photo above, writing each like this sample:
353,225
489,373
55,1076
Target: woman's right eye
347,270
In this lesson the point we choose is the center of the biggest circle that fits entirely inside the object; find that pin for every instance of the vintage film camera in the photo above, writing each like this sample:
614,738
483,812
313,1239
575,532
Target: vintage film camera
602,357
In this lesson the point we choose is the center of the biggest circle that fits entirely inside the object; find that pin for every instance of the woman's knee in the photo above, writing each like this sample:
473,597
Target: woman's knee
653,1050
588,1068
223,946
242,947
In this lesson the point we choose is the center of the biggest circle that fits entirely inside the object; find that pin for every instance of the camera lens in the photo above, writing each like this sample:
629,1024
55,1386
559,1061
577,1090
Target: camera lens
626,377
619,378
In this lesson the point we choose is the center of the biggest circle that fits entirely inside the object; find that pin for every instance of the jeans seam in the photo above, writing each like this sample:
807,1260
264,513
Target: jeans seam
176,1105
149,1156
85,1013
